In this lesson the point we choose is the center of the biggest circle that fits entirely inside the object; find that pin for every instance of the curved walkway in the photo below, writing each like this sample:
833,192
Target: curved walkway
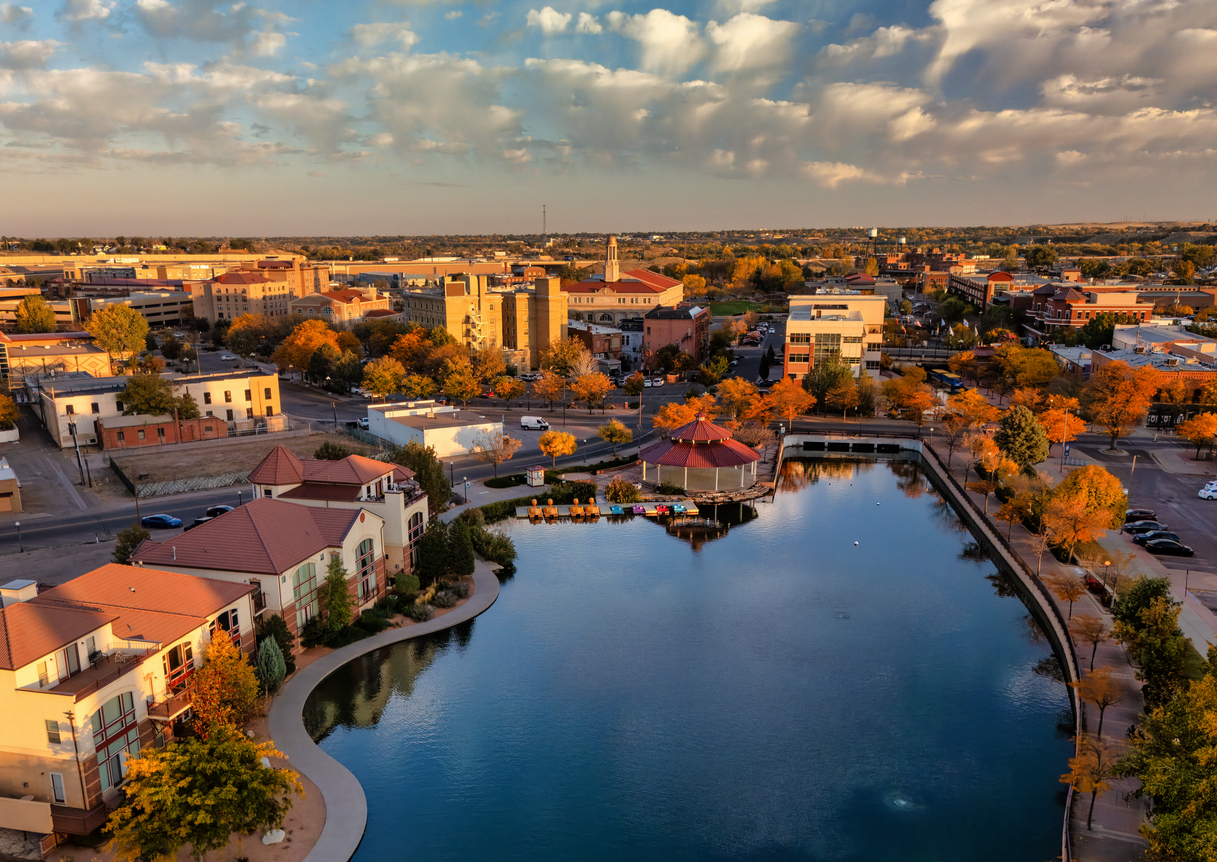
346,807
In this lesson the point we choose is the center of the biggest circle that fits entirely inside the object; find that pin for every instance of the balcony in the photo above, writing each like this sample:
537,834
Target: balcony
78,821
174,705
259,600
102,672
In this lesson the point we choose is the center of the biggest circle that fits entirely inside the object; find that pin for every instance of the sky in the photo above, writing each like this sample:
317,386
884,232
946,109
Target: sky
304,117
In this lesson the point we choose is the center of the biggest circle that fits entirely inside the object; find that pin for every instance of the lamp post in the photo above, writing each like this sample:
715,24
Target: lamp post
238,499
465,479
1106,570
20,541
335,409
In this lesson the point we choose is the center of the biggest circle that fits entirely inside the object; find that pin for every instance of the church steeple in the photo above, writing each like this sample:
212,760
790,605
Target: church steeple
612,269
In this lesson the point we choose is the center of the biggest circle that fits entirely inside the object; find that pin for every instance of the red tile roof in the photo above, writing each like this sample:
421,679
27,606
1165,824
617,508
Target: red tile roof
343,295
701,430
680,453
652,278
279,467
240,278
264,536
136,588
29,631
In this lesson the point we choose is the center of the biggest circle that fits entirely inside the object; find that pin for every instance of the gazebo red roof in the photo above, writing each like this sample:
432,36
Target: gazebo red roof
700,444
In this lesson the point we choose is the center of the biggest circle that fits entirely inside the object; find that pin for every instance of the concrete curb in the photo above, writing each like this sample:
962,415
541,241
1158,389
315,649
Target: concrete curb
346,806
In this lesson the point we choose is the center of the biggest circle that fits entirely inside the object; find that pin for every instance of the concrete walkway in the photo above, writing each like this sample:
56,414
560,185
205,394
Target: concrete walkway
346,807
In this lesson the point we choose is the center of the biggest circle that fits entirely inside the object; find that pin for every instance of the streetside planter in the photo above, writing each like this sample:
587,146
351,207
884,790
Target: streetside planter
10,436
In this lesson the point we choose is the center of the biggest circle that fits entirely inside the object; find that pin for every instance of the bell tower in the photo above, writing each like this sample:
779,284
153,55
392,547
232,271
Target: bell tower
612,269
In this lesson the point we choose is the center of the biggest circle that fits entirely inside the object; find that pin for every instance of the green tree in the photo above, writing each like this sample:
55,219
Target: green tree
119,330
152,395
460,548
275,627
126,541
417,386
382,377
461,385
225,688
433,552
334,596
825,375
616,433
34,314
197,793
1039,256
270,665
9,413
331,451
428,473
1160,649
1021,437
1098,331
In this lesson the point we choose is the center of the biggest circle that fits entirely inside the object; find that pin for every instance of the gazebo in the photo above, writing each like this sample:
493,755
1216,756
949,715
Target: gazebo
702,456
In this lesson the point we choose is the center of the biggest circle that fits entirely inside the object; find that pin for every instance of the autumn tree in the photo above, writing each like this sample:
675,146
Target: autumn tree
9,412
197,793
616,433
119,330
737,395
789,400
1118,397
488,363
246,332
674,415
557,444
966,412
34,314
551,387
417,386
1032,399
1091,769
991,468
1014,511
963,363
828,372
1068,521
561,356
297,349
908,397
1159,648
1021,437
1198,430
843,396
1099,688
225,687
461,385
591,389
1068,588
508,388
384,376
1092,630
494,447
1061,424
1103,493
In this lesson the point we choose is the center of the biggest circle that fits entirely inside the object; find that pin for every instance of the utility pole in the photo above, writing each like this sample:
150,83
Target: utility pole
544,223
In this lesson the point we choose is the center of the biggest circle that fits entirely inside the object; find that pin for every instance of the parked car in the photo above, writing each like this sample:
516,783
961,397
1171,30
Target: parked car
217,511
1139,515
1208,492
160,521
363,423
489,393
657,382
197,522
227,357
1137,527
1156,534
647,384
1169,546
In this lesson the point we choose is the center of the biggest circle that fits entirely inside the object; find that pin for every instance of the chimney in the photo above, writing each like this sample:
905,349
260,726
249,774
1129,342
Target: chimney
15,592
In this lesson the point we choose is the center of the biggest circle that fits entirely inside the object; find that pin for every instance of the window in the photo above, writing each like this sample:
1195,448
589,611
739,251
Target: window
140,434
227,396
248,395
228,622
229,415
115,737
178,664
71,410
43,675
872,364
121,436
266,392
206,397
95,407
800,357
852,339
57,793
366,563
270,411
52,731
160,434
417,527
304,593
249,413
827,344
118,406
800,338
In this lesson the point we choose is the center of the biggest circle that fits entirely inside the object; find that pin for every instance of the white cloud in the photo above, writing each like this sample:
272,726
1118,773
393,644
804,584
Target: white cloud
749,41
16,16
267,44
832,174
549,19
244,27
588,24
18,56
670,43
76,11
453,15
374,34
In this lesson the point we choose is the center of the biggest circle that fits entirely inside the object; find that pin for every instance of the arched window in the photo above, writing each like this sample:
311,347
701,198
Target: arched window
366,561
606,318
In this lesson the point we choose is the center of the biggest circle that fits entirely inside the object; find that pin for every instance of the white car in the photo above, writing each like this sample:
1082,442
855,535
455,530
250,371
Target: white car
227,357
1208,492
363,423
647,384
658,381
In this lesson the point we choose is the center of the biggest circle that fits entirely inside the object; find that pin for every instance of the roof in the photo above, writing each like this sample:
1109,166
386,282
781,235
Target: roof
381,312
279,467
1070,295
682,453
701,430
344,295
243,277
654,279
676,312
265,536
127,588
30,630
452,419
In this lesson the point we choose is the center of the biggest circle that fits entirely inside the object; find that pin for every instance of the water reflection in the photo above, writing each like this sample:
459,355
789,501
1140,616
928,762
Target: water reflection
798,473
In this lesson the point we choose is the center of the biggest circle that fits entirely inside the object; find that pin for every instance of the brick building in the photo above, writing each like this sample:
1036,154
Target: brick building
685,325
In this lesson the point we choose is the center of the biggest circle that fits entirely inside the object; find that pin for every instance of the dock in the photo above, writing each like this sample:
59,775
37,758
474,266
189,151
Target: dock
650,509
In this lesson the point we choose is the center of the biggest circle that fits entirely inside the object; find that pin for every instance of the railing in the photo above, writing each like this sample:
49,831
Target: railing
93,679
171,707
78,821
259,600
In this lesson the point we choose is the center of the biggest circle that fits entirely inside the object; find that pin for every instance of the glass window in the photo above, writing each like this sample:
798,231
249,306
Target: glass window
52,731
227,396
248,395
206,397
266,393
57,792
115,737
304,593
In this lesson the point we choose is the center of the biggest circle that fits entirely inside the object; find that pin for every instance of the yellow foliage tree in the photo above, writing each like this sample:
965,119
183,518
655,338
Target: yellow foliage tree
591,389
557,444
1198,430
789,399
302,342
1090,771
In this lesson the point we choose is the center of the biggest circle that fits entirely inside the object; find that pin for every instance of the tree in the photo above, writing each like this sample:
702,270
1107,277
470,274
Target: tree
556,444
1061,425
275,627
417,386
462,386
963,363
1159,648
494,447
433,553
1014,511
616,433
1198,430
1102,491
1118,397
621,490
561,355
9,413
737,396
551,387
1021,436
673,415
789,400
270,665
34,314
635,383
118,329
334,596
1090,770
1068,588
152,395
965,412
1099,688
460,548
246,332
1068,520
843,396
1090,629
302,342
198,792
225,687
991,467
508,388
127,541
488,363
765,364
908,396
1039,256
428,473
382,377
826,374
591,389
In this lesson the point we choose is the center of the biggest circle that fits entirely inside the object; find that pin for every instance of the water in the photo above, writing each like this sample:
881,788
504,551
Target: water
781,693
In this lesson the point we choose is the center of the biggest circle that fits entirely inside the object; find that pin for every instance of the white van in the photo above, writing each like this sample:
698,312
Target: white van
533,423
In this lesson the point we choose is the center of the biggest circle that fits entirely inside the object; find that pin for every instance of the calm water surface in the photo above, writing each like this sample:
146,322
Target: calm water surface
778,694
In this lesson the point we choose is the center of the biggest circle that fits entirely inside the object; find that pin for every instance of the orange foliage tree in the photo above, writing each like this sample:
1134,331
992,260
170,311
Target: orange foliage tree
1118,397
225,687
788,399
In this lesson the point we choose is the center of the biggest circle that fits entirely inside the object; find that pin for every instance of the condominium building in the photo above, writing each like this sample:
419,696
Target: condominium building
683,325
90,673
844,324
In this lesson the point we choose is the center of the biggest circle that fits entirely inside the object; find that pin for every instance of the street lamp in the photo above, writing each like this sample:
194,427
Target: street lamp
465,479
238,499
20,541
1106,570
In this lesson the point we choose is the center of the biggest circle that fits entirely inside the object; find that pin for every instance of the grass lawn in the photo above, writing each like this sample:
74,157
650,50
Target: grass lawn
736,306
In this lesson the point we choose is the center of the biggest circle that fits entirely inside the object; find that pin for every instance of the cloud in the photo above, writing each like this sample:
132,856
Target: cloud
670,43
832,174
453,15
19,56
77,11
237,24
374,34
749,42
267,44
549,19
16,16
588,24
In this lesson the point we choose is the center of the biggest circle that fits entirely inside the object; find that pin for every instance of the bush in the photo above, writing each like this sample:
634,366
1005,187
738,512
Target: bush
446,599
269,665
668,488
275,627
418,613
461,591
506,481
503,509
555,476
496,547
314,633
330,451
372,622
407,584
621,491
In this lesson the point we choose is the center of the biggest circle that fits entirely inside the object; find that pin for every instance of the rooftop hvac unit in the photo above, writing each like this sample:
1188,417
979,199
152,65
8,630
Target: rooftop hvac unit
1140,348
1172,362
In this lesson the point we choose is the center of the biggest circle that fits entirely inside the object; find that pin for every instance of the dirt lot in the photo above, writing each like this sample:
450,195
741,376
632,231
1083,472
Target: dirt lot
207,460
